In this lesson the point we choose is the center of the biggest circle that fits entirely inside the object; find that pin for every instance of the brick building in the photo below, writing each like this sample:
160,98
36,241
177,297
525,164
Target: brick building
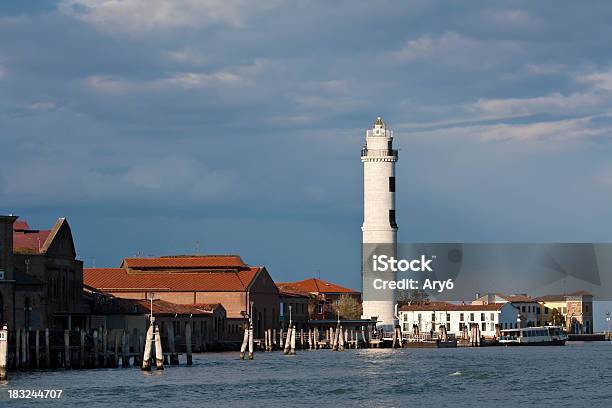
294,306
326,293
133,315
41,281
223,279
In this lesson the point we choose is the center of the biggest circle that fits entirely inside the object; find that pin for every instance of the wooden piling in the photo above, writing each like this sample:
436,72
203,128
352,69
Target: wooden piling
293,334
245,343
302,339
26,346
82,350
37,344
146,358
66,349
171,342
287,348
3,353
138,349
105,348
280,339
341,339
250,344
95,349
125,349
116,352
270,340
273,339
17,348
47,349
158,350
188,343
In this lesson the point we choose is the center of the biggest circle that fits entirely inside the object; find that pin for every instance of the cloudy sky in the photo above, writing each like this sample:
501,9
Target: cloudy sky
153,124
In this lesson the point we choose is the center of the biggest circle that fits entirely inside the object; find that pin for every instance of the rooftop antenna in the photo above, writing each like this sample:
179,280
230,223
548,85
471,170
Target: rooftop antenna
197,247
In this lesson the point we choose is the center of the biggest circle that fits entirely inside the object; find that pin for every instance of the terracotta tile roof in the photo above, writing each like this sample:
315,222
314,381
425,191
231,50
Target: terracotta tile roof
285,289
29,241
444,306
314,285
20,225
114,305
183,262
562,297
108,279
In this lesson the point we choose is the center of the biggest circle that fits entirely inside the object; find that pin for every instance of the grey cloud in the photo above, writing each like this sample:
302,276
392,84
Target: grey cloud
245,117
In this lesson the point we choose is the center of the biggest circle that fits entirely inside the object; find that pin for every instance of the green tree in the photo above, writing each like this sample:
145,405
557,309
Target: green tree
557,318
313,303
348,306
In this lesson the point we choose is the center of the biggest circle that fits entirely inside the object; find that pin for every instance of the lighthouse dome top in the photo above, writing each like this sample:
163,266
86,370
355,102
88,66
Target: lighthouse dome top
379,129
380,123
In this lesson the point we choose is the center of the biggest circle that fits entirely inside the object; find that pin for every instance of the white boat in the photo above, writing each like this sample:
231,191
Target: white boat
533,336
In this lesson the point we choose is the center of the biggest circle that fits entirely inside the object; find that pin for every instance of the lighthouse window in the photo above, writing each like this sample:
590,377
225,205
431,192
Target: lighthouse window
392,184
392,219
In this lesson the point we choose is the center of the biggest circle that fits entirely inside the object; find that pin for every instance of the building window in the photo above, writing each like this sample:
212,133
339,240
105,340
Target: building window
392,184
492,317
460,317
447,326
448,318
523,309
471,317
392,219
482,317
484,326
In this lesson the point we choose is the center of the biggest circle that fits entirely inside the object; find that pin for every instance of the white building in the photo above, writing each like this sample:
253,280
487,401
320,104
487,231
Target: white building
430,316
379,225
528,307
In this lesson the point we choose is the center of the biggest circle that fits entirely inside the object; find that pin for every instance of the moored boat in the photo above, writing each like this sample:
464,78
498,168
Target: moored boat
533,336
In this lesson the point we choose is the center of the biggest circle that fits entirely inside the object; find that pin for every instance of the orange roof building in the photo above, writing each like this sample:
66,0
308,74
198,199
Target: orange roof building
327,293
192,280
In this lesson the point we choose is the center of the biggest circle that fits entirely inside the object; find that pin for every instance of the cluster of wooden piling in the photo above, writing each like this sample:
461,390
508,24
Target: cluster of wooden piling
51,349
333,338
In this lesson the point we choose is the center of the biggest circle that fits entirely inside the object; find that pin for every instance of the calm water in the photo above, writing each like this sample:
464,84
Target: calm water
577,375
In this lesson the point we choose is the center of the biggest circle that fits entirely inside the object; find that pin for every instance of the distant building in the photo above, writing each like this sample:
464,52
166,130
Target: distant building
117,314
455,317
41,281
326,293
575,307
294,305
528,307
185,280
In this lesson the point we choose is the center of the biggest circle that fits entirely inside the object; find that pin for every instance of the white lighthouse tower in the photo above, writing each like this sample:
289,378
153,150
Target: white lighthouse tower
379,225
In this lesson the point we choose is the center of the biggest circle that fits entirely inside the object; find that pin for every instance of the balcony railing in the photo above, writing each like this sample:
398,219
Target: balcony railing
378,152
